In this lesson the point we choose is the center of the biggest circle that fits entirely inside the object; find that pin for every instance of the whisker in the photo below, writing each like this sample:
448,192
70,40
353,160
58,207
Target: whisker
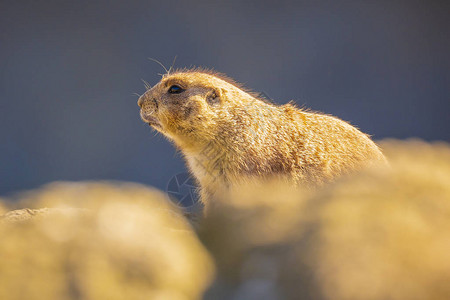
146,84
158,62
173,63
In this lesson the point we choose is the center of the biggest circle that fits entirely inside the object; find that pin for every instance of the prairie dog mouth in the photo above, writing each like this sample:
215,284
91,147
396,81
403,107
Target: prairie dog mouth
148,112
151,120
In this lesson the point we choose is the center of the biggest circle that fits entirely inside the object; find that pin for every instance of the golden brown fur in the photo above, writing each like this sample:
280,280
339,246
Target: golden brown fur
228,134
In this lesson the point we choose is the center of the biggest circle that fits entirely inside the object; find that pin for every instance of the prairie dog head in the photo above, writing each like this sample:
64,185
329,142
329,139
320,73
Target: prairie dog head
188,104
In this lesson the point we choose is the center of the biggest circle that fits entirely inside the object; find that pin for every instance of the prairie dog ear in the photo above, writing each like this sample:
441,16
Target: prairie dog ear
214,97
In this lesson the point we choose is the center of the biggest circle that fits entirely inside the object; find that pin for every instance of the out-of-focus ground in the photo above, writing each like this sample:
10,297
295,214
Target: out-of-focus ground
381,234
100,241
2,208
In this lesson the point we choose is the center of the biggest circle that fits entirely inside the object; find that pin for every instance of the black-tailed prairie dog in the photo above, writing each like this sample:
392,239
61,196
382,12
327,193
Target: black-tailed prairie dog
228,134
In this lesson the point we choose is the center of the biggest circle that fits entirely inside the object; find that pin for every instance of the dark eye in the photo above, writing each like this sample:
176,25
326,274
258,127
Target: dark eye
175,89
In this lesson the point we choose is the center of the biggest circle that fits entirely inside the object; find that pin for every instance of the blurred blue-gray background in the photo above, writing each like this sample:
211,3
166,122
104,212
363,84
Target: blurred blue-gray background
68,71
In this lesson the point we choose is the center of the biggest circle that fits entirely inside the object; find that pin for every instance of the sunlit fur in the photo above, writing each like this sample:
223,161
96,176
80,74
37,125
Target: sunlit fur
228,134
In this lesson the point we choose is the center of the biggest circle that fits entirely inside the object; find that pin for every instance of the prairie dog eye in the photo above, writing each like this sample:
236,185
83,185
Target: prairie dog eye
175,89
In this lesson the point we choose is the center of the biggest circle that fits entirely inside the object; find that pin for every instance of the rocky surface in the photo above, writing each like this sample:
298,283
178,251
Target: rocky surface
383,234
100,241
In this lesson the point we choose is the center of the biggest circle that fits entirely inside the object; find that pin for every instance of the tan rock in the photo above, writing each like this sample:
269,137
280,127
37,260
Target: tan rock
383,234
100,241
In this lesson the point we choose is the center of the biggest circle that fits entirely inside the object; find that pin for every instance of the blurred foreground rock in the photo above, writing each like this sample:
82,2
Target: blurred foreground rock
383,234
26,214
3,210
100,241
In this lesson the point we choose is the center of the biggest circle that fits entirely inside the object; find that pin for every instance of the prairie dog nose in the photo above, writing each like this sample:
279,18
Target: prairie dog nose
140,101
